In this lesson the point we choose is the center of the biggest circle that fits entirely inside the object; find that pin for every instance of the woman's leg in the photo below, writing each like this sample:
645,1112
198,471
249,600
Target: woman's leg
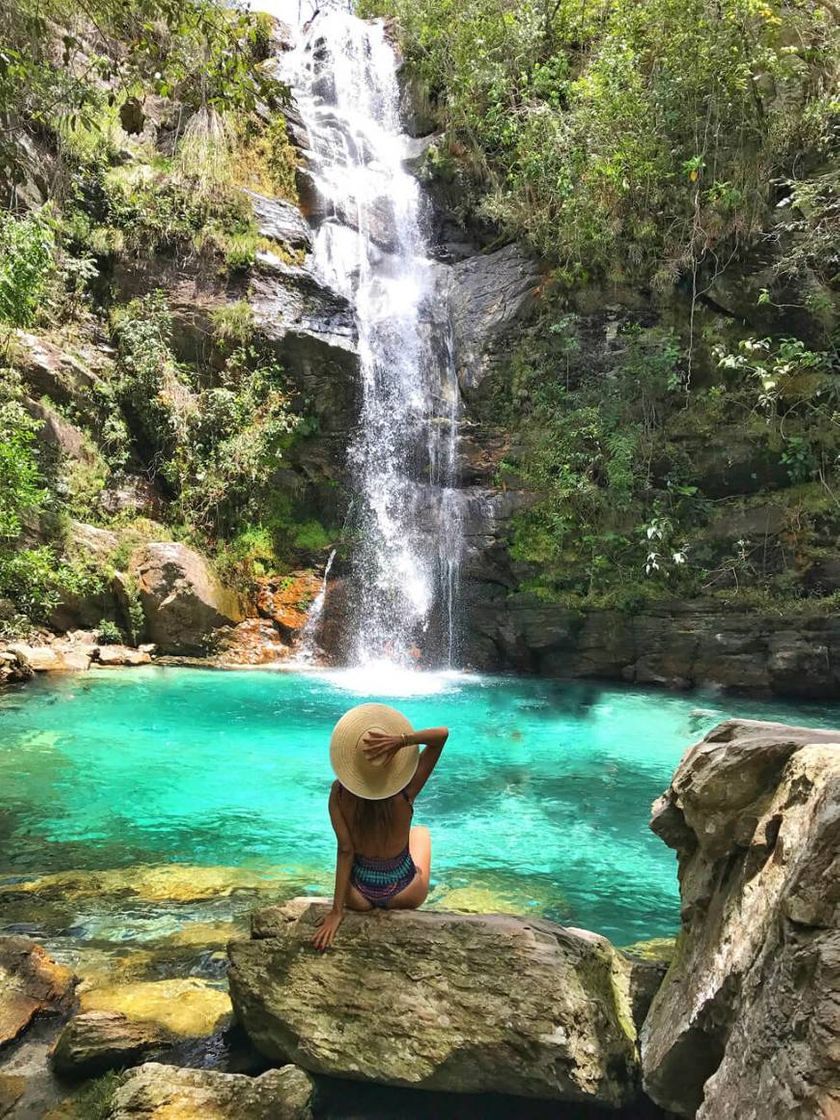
356,900
414,895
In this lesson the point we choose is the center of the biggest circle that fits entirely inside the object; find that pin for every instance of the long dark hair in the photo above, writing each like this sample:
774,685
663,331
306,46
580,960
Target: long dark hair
372,820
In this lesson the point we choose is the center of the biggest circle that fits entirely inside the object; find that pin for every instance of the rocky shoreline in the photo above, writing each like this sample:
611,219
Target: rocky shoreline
487,1014
678,646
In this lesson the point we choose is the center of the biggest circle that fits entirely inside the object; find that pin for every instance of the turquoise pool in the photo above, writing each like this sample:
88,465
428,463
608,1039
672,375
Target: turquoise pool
540,803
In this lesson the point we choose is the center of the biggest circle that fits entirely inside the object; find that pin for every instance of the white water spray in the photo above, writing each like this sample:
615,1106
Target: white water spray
370,247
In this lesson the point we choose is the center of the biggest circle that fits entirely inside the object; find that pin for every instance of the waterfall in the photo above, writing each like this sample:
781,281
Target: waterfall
370,246
309,636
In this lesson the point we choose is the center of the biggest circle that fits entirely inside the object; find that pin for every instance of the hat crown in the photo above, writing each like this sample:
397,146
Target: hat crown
374,779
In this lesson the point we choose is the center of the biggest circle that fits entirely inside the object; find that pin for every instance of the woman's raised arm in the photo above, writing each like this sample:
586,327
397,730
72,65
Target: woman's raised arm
432,739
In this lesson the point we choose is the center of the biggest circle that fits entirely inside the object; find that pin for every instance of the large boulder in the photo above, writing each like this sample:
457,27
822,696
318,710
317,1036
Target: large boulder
57,657
157,1092
60,437
31,984
746,1022
94,1042
456,1002
70,375
15,667
182,600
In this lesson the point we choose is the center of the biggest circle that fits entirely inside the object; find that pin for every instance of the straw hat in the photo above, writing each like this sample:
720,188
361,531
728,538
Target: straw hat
372,780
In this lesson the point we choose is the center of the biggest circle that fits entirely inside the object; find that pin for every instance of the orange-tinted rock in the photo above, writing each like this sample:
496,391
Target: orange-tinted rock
255,641
31,983
286,600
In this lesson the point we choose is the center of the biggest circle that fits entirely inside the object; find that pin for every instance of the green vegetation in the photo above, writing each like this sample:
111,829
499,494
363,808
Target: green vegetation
26,261
632,466
635,140
127,132
94,1100
214,449
663,152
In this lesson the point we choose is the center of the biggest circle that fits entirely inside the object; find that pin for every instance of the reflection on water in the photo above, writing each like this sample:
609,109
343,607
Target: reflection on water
209,791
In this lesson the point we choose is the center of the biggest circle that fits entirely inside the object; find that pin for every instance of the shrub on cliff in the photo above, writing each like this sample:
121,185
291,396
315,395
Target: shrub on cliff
630,139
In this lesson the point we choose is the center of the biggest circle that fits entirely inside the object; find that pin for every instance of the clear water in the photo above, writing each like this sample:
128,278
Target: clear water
540,803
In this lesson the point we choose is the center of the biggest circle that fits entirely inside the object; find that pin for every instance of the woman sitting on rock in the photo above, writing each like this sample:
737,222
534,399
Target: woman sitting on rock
382,861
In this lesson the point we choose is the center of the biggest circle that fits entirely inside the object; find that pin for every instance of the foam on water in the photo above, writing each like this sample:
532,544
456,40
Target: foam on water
395,681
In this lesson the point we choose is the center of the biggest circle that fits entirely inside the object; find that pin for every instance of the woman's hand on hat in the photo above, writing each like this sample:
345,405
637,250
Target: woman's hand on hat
380,747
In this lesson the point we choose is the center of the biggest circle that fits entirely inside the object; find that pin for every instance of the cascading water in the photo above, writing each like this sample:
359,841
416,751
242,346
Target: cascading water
308,640
370,247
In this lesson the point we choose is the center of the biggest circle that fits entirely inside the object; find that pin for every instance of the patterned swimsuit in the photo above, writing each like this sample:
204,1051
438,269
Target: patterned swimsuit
379,880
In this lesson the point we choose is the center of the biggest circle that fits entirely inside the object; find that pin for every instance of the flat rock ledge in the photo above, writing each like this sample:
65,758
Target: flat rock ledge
746,1023
158,1092
453,1002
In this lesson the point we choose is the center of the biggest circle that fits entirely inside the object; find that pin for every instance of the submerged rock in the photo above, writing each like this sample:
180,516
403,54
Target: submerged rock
186,1007
746,1022
156,1092
440,1001
182,600
97,1041
31,984
169,882
12,1088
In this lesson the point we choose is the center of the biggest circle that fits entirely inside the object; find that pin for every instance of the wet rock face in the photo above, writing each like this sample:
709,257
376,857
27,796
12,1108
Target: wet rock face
280,221
313,332
31,984
441,1001
676,644
156,1092
187,1007
746,1023
490,294
182,601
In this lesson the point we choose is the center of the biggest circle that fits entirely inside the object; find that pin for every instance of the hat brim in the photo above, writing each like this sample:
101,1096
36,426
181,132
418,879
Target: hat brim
374,781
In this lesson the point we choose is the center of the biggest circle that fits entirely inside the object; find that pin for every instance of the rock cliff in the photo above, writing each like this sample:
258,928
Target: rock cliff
746,1022
675,643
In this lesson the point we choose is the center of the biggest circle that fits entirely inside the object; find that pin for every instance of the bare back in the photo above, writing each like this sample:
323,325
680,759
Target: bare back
388,843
